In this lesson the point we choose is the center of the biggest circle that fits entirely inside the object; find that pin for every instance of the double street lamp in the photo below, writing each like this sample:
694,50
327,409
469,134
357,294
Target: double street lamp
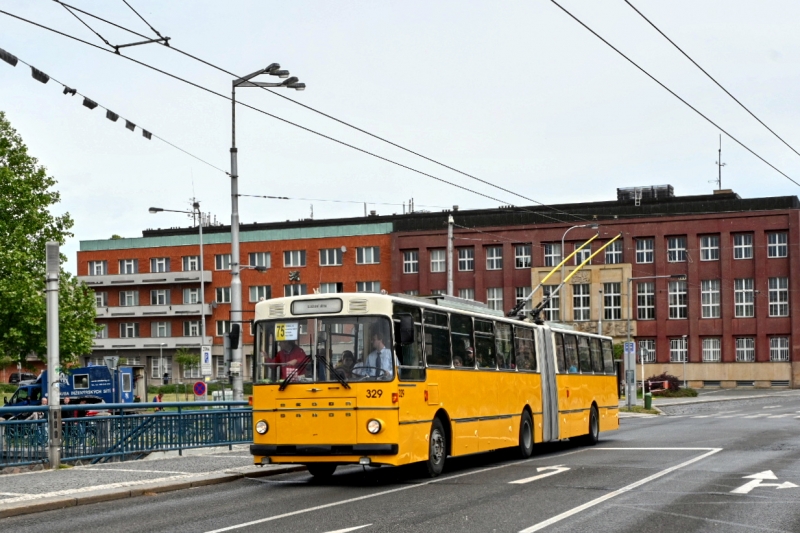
236,283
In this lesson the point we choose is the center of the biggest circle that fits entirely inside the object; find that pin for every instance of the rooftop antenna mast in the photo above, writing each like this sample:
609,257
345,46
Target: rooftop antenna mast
719,164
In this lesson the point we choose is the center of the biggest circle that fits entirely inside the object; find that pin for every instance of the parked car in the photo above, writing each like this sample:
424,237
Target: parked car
16,377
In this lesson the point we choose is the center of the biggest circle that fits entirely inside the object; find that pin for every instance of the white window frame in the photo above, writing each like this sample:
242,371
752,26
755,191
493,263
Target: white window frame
260,259
191,328
101,299
295,289
159,297
709,248
294,258
102,332
676,249
712,350
710,298
466,294
128,266
330,257
552,253
98,268
438,292
744,298
612,301
647,351
368,255
778,297
128,330
613,253
160,329
678,350
223,327
412,292
368,286
645,250
779,349
466,259
438,260
645,300
582,255
259,292
222,262
190,263
410,261
745,349
522,255
678,300
581,302
331,287
191,373
191,296
742,246
494,298
777,244
552,311
159,264
128,298
522,293
222,295
494,258
158,373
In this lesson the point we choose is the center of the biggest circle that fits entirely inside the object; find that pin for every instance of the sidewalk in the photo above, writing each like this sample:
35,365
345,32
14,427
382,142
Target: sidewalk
32,492
718,395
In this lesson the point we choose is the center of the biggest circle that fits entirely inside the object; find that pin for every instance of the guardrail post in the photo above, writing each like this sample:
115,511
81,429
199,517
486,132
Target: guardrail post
180,431
228,433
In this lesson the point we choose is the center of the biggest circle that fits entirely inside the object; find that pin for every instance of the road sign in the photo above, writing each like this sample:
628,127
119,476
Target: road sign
758,481
205,361
236,367
199,388
629,348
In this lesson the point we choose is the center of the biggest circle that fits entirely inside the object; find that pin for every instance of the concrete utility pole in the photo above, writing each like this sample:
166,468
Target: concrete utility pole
450,223
53,364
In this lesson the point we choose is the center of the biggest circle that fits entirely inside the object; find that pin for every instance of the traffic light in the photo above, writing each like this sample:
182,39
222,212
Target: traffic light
234,336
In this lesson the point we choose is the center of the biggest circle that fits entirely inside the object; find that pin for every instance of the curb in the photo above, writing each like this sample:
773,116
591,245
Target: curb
724,399
54,503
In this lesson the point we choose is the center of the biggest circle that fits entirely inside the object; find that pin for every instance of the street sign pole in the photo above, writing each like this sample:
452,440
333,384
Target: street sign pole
630,373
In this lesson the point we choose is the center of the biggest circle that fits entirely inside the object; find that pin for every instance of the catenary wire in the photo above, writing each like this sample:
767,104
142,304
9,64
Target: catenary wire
711,77
326,115
309,130
143,20
673,93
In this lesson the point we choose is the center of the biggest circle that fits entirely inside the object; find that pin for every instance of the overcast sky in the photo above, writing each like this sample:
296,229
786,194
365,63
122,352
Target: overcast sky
516,93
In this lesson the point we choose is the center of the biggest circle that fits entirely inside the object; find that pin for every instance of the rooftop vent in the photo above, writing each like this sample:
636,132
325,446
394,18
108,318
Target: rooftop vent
652,192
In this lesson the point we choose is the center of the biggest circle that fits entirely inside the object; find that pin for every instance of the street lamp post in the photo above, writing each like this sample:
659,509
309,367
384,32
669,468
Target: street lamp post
236,283
628,327
562,301
161,361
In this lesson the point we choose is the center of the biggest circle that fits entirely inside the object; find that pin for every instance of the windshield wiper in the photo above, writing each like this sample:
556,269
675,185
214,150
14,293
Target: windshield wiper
299,368
333,372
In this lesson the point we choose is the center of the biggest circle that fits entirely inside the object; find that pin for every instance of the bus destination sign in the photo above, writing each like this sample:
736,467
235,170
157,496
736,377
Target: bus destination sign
313,307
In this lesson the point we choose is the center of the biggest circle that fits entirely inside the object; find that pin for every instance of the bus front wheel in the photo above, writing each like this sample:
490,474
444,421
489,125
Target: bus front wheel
526,435
321,470
437,448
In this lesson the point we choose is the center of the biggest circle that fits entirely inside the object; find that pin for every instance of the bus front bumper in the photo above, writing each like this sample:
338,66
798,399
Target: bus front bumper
322,449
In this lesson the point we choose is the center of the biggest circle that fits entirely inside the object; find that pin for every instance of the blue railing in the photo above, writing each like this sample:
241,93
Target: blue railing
126,432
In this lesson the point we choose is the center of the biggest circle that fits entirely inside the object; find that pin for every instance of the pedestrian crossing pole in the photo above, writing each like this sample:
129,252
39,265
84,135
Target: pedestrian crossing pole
53,259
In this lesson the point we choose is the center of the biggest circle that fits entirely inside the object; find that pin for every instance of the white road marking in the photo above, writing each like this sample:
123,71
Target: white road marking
756,416
10,494
349,529
627,488
771,406
758,481
703,416
554,470
780,416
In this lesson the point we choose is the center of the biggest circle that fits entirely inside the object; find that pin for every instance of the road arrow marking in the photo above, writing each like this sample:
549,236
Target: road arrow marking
555,470
758,482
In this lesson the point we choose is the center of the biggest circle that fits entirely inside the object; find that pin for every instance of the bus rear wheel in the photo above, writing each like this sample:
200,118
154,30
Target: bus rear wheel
321,470
593,437
437,449
526,435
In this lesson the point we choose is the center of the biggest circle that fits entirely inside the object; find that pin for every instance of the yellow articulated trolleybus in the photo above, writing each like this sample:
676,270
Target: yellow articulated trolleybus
377,379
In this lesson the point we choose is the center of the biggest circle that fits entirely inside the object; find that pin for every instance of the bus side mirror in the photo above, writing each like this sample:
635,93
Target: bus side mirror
406,329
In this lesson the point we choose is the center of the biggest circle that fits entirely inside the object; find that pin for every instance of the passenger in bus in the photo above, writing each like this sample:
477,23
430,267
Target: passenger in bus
379,362
457,361
290,356
345,367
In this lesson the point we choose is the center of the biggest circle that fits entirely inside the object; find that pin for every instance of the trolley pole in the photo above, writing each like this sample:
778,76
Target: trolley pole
450,223
53,373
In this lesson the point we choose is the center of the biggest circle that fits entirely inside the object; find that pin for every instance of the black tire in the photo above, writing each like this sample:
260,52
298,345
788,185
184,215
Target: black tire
321,470
525,435
593,437
437,448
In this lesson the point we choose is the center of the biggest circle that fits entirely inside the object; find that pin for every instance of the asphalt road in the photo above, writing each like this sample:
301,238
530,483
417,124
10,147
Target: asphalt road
672,473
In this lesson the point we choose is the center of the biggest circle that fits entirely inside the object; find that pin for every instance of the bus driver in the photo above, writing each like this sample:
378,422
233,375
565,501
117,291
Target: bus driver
379,362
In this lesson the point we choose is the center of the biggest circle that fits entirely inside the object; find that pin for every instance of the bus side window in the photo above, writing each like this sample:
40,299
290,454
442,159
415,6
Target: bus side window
461,334
411,363
437,339
484,344
571,353
608,356
504,347
526,351
584,355
560,352
597,355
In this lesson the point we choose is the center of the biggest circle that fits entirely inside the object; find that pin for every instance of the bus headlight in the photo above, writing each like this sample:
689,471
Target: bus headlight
374,426
262,427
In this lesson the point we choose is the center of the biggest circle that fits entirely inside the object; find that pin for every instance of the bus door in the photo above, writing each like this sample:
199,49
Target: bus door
549,388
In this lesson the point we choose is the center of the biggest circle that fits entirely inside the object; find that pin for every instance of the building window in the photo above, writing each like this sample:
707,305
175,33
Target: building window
410,262
743,246
646,300
191,263
331,288
368,255
712,350
129,266
644,250
709,248
777,245
102,332
294,290
165,364
219,364
466,259
101,299
779,349
647,350
522,293
494,258
223,295
412,293
128,330
778,296
159,297
581,302
583,255
612,301
522,256
222,261
438,292
191,296
128,298
330,257
614,253
676,249
467,294
159,264
191,328
368,286
191,372
678,350
294,258
98,268
260,259
677,300
552,311
552,254
223,327
710,298
260,292
743,295
437,260
745,350
160,329
494,298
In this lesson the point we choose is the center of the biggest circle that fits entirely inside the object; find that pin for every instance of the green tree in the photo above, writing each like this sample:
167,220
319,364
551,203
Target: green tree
188,361
27,223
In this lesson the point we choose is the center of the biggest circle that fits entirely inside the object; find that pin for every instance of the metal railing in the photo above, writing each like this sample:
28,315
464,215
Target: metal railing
126,432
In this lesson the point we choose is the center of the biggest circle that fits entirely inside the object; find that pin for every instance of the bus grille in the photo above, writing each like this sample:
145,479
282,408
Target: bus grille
276,310
358,306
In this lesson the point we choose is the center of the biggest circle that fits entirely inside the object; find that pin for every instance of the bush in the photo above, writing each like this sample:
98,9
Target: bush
682,393
674,382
